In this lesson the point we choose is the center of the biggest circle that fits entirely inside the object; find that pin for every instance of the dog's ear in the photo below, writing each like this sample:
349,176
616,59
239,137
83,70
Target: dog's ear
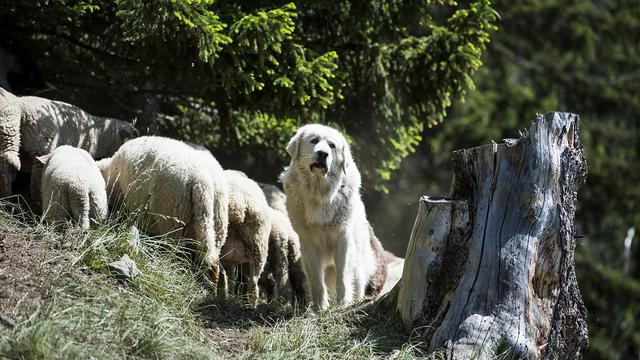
293,148
346,157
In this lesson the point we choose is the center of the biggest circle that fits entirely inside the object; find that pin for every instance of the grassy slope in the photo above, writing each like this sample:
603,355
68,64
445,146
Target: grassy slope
65,304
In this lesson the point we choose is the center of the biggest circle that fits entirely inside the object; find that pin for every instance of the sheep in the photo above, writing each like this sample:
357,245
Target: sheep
182,191
73,187
7,172
249,229
36,126
283,275
6,97
275,197
284,252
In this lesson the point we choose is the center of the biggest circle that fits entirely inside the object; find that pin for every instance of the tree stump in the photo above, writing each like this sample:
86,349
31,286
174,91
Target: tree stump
490,270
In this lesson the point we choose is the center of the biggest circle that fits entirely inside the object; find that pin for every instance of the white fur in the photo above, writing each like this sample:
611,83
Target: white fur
276,198
249,228
37,126
6,97
183,190
329,216
72,187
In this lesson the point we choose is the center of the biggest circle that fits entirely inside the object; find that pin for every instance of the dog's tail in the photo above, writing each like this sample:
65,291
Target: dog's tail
377,280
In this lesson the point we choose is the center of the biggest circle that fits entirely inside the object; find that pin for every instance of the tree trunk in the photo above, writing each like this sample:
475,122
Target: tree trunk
490,270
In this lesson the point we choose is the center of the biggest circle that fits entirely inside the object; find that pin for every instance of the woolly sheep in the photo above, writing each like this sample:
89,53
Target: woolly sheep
275,197
249,229
197,146
6,97
72,187
183,192
283,275
37,126
7,172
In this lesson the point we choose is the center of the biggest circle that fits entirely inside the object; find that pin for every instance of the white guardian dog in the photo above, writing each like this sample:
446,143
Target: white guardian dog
339,251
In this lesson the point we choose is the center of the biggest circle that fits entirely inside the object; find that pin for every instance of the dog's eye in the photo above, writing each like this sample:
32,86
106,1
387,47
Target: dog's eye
315,140
332,145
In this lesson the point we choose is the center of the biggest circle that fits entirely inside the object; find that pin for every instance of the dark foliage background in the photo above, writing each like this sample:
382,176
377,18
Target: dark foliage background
577,56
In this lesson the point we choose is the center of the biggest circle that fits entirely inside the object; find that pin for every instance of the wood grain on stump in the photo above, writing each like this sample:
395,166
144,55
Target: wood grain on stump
490,270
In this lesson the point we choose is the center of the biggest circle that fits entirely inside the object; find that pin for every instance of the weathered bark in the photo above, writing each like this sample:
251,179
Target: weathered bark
491,269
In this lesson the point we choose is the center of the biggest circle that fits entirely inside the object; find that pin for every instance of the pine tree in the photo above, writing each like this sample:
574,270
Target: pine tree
239,77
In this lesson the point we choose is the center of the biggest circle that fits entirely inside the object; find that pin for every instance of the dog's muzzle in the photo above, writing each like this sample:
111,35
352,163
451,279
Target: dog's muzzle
320,162
318,165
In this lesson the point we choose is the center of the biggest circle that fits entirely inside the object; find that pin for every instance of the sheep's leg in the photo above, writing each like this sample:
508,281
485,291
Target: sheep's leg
210,255
219,279
281,271
7,175
79,208
256,243
268,284
211,252
274,291
299,285
232,278
252,287
36,180
97,209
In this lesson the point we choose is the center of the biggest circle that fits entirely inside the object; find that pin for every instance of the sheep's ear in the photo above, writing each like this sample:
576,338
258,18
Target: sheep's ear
103,163
293,148
43,158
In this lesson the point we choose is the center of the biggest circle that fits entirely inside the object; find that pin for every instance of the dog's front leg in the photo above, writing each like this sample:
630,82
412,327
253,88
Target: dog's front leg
315,272
344,278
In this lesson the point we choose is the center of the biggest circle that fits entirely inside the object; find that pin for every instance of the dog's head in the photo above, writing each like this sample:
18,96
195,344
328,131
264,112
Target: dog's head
320,149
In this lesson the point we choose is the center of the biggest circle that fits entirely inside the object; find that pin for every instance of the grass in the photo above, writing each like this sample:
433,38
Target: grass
332,334
82,310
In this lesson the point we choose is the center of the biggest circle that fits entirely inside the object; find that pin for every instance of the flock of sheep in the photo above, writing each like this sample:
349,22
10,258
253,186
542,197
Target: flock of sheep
182,188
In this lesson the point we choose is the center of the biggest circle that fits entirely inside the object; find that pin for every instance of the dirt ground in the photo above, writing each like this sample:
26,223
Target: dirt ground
27,269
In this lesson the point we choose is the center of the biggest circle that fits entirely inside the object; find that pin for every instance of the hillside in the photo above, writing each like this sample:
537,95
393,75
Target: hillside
58,299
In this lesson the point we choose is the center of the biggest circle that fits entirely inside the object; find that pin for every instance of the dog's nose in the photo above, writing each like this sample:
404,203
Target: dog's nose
322,155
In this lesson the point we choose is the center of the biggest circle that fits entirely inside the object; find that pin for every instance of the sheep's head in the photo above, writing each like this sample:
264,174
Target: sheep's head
127,131
115,133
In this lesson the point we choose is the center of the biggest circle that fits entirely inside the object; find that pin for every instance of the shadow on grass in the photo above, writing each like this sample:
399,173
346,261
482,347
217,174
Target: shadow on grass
387,337
231,312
